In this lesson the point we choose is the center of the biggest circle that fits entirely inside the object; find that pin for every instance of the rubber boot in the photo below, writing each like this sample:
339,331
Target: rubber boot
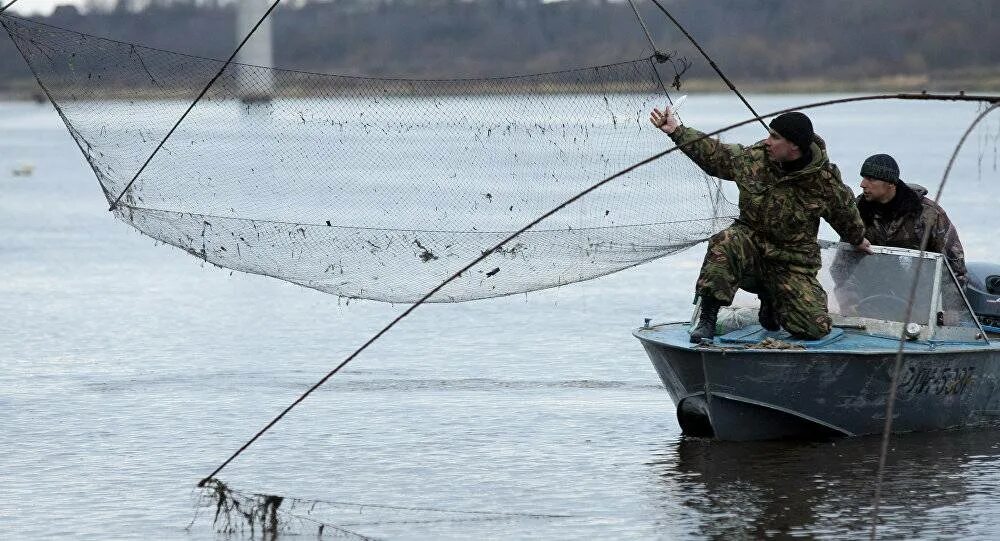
768,314
706,321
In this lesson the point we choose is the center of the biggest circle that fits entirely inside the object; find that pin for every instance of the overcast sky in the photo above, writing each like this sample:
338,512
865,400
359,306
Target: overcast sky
46,6
38,6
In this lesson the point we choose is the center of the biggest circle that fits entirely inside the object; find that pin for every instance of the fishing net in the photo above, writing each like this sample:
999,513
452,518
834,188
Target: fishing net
379,188
236,512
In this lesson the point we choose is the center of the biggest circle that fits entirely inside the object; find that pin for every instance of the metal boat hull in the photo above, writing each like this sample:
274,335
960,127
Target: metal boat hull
840,389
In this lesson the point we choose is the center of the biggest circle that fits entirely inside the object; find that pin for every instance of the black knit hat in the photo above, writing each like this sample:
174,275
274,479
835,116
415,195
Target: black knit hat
881,167
796,127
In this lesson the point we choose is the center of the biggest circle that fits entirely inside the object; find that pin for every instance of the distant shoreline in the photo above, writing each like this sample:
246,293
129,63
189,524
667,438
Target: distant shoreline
984,82
989,83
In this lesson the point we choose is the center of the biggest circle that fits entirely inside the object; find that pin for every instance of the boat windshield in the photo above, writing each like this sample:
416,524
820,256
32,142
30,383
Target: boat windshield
871,293
878,286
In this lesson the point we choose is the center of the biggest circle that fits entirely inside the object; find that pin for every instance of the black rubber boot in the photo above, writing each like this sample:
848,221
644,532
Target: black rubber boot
768,314
706,321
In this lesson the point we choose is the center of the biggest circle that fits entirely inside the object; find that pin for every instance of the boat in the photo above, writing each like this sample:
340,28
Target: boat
748,383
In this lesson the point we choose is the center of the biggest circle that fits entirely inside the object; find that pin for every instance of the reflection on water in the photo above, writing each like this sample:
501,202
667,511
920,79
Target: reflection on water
936,485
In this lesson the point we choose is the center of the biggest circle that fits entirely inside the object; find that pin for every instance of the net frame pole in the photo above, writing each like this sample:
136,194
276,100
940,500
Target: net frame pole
12,2
657,55
642,23
711,63
114,205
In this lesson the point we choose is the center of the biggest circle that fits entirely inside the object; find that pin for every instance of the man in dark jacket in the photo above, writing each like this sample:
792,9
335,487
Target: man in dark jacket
897,214
786,184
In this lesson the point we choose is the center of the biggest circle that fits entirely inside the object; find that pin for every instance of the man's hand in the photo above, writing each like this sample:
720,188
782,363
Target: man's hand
666,121
865,247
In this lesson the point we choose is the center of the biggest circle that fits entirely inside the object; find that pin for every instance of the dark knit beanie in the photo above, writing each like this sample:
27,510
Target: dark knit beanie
796,127
881,167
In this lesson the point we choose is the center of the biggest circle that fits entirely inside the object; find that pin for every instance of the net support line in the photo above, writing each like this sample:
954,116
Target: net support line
898,363
711,63
486,253
657,55
11,3
645,29
204,91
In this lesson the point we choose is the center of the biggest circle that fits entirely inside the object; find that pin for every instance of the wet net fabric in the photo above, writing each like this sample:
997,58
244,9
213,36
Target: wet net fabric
379,188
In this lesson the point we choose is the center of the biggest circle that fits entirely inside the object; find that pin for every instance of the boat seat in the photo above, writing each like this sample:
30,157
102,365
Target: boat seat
755,333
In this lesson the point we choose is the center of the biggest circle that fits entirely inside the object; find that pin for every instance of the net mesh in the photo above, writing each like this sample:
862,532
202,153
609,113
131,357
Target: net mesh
240,513
379,188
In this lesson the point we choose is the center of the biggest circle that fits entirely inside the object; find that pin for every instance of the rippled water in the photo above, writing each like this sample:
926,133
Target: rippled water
130,371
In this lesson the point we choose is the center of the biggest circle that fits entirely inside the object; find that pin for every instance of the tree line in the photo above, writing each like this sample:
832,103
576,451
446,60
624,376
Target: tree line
751,40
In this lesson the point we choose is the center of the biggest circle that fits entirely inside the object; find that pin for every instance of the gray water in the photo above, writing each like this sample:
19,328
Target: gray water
130,371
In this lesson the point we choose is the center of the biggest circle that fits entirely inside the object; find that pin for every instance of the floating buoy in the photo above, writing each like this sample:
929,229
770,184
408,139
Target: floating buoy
24,170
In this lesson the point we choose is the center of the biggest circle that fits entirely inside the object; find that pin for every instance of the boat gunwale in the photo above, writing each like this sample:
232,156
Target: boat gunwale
924,347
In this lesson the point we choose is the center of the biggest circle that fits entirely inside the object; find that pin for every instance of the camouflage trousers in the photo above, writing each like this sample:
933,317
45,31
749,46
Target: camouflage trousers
734,261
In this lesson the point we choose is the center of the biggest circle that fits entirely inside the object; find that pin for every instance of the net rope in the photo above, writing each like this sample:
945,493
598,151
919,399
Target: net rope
240,512
378,188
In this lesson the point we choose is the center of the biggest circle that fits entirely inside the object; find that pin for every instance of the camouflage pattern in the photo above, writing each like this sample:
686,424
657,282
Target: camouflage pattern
773,243
783,209
906,228
734,260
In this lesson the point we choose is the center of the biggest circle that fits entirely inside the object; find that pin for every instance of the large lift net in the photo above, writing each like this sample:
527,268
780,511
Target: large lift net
379,188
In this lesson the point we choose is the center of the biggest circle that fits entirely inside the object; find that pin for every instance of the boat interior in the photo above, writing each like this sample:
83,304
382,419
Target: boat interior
892,293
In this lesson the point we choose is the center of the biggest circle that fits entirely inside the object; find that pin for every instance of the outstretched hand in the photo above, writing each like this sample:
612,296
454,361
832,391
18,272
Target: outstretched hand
865,247
665,120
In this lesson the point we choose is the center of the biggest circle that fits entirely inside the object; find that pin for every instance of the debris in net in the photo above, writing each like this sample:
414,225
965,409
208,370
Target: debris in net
426,255
236,513
774,343
267,516
240,513
352,163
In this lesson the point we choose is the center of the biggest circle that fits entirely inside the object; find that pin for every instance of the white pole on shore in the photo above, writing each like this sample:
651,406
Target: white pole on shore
256,84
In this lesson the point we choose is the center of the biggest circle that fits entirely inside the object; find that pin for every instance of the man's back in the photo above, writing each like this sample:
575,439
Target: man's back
783,207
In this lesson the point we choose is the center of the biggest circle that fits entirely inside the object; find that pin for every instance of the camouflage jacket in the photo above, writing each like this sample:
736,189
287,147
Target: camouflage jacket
902,223
783,209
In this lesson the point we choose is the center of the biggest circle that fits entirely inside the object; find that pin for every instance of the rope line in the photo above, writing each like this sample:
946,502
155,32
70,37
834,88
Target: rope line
711,63
642,23
657,56
487,253
204,91
302,509
898,363
12,2
433,509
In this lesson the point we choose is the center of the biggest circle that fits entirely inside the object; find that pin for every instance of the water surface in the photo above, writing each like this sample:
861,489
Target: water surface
130,371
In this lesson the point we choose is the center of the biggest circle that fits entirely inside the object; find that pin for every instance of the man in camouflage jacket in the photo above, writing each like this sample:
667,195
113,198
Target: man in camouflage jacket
786,184
897,214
